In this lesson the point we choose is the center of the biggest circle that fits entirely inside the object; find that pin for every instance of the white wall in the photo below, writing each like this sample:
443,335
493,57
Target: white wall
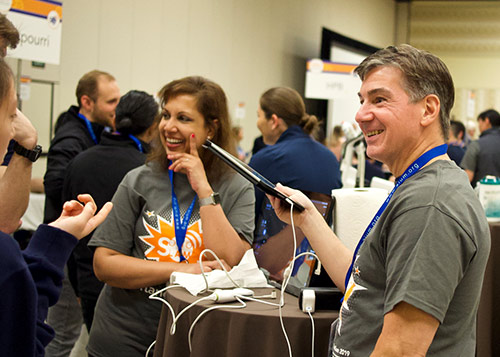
474,71
247,46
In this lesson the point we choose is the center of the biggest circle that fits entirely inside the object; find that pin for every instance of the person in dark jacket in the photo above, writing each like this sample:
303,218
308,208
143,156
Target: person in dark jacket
99,170
292,157
75,131
483,155
78,129
30,280
456,147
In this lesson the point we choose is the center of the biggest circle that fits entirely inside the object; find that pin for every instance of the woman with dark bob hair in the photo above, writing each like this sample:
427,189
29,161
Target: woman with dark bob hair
180,202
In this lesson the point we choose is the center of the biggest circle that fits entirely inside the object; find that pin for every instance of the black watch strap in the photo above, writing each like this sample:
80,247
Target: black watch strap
31,155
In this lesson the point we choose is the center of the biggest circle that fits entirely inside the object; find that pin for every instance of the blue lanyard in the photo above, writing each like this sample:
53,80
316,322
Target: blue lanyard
410,171
138,143
89,127
180,226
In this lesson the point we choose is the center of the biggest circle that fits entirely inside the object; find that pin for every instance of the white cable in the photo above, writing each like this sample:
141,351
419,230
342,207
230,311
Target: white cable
312,327
307,253
259,301
318,268
155,296
220,263
283,286
272,295
176,318
149,348
285,283
243,305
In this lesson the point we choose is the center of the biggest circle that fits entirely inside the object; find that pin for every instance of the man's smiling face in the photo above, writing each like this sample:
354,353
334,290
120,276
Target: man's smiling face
387,117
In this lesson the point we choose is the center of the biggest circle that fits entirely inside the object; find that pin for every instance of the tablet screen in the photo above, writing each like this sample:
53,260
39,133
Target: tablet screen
250,174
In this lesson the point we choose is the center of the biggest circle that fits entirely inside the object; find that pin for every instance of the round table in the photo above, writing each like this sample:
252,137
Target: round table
252,331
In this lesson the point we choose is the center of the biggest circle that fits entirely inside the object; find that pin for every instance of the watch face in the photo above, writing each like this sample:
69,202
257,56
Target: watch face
35,153
213,199
31,155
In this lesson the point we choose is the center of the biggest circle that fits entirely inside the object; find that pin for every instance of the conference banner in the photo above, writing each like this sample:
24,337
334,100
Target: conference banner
330,80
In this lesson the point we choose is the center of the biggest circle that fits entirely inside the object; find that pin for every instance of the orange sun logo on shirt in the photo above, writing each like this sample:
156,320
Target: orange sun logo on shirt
162,245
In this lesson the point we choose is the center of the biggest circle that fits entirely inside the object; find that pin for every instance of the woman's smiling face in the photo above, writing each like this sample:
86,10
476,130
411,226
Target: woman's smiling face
180,119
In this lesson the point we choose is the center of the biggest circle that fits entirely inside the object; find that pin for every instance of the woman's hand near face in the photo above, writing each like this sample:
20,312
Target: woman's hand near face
191,165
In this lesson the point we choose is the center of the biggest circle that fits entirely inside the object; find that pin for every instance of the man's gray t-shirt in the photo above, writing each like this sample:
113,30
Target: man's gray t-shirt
141,225
429,249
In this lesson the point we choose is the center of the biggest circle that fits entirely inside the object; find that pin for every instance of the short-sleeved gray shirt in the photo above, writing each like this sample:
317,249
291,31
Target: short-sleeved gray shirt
482,156
141,225
429,249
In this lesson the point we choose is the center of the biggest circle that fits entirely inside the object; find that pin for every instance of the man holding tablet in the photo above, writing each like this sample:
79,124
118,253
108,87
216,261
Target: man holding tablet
413,284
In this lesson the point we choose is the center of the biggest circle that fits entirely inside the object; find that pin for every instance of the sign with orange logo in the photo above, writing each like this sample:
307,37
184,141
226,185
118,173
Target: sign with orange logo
39,23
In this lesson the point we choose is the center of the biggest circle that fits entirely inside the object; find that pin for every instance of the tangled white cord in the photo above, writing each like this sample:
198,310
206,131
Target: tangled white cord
287,279
285,283
175,318
220,263
243,305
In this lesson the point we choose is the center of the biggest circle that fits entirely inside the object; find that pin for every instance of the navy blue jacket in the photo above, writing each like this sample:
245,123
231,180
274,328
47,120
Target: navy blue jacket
456,153
297,161
30,282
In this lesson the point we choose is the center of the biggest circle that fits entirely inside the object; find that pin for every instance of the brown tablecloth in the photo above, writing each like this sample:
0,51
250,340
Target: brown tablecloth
252,331
488,317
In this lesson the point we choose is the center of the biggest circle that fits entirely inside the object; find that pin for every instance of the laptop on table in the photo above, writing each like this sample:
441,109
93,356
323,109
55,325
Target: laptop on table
273,248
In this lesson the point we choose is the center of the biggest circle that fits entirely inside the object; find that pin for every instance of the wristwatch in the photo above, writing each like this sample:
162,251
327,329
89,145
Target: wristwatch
31,155
213,199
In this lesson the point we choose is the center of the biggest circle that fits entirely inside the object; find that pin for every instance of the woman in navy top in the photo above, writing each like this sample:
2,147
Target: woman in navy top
292,157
